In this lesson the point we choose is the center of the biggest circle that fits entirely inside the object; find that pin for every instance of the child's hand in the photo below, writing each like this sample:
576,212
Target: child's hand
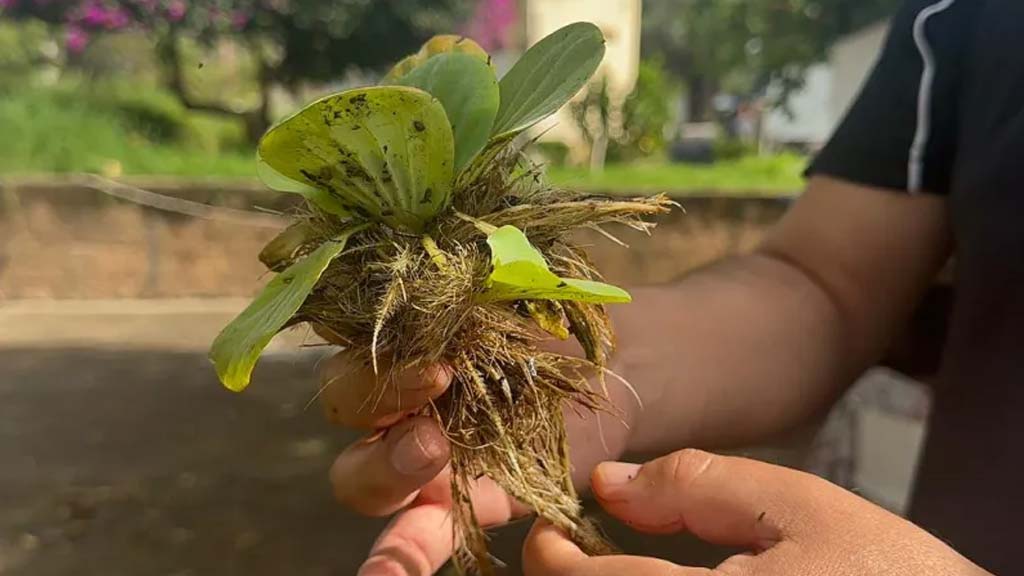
791,524
401,466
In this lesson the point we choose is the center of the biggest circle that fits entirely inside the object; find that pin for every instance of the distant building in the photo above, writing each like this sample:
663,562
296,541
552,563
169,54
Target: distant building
810,120
620,22
830,89
851,59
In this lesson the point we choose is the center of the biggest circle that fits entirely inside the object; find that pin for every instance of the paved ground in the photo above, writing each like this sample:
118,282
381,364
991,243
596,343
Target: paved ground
120,454
132,460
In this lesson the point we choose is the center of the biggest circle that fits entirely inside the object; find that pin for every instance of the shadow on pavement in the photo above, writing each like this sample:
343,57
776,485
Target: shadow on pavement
139,463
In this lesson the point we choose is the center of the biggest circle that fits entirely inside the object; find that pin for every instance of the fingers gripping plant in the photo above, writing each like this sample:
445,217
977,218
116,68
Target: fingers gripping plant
428,238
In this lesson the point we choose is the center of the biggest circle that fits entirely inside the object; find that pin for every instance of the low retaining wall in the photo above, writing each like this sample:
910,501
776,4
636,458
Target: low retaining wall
64,239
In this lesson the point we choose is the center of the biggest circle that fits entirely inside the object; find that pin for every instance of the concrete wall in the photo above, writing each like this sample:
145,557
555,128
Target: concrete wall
62,240
65,241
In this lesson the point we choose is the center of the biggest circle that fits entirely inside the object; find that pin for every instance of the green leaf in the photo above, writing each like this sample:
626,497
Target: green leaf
440,44
401,68
468,89
384,153
235,350
277,181
281,252
548,76
521,273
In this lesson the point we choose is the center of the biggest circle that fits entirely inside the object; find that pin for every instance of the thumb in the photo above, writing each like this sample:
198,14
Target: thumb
722,500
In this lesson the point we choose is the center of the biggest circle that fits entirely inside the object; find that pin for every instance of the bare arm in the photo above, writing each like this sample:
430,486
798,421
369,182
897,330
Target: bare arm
760,343
738,351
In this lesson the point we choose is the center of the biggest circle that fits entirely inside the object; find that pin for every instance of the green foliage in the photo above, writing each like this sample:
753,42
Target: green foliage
553,153
743,45
440,44
312,39
286,43
646,114
756,176
733,149
323,39
322,199
389,153
592,113
468,89
66,129
24,49
237,348
521,273
115,56
74,128
157,119
547,76
384,153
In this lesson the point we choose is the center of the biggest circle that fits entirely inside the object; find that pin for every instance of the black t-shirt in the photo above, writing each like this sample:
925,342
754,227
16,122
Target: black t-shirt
943,113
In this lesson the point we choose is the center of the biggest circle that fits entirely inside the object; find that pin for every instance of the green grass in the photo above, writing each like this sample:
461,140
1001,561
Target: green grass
60,130
112,129
769,175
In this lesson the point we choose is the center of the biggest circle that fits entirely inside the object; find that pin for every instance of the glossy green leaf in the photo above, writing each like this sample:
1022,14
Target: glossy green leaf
550,73
384,153
521,273
401,68
468,89
440,44
277,181
237,348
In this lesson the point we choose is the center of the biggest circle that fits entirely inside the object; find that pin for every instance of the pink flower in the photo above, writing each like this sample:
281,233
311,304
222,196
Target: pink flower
94,14
239,19
117,18
75,39
8,3
176,10
492,22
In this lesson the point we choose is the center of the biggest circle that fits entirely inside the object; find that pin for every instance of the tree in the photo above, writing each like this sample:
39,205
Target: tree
292,40
634,130
745,45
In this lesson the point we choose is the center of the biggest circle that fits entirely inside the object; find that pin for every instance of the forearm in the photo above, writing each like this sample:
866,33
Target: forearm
757,344
736,352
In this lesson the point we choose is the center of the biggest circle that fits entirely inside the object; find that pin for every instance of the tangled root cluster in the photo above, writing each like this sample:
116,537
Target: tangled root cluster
416,302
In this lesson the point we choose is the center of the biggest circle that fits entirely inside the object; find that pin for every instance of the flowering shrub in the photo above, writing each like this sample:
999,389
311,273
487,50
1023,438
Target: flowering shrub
84,18
493,23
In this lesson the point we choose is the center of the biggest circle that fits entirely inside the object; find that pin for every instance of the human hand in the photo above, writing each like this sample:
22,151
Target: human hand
401,466
790,523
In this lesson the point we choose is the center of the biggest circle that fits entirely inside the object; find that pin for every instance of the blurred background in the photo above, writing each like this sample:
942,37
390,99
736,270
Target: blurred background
119,451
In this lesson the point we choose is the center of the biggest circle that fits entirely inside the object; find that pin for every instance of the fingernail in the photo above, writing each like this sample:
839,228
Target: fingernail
613,475
411,454
436,376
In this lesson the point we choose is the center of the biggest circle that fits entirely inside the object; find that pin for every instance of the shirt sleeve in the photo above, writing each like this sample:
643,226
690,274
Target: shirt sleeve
900,132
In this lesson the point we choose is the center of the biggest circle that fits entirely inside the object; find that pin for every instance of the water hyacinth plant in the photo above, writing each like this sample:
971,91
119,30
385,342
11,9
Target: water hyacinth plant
428,237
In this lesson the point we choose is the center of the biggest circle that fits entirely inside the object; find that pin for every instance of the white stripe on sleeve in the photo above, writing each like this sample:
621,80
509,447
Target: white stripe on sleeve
915,169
